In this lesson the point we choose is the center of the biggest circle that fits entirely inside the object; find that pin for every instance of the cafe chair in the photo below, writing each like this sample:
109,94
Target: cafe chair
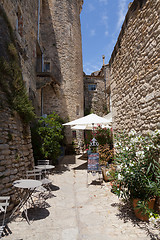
4,202
43,162
37,175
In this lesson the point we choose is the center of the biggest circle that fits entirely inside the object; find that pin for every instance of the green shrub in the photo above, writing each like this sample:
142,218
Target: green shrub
138,169
47,137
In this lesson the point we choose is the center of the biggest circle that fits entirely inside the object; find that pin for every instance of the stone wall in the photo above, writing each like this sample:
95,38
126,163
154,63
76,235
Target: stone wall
16,155
25,15
135,69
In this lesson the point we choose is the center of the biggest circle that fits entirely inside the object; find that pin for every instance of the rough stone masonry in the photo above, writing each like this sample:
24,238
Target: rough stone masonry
135,69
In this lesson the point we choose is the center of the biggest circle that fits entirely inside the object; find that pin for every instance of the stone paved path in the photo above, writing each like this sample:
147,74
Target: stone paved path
77,212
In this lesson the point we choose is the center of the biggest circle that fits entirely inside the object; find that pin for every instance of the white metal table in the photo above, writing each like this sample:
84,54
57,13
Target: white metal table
29,186
45,167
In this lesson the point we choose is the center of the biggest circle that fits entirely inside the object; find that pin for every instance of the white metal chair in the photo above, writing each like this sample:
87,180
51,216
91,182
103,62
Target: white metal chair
37,175
4,202
43,162
34,174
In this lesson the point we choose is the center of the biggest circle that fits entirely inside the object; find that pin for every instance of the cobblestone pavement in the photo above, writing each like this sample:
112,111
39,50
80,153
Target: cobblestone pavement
76,212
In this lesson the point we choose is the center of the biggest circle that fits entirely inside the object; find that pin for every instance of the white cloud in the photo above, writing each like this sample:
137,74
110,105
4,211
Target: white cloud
92,32
106,33
122,8
89,67
104,21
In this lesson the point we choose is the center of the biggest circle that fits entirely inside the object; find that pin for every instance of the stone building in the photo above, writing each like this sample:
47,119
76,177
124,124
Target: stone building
60,36
97,92
47,36
135,72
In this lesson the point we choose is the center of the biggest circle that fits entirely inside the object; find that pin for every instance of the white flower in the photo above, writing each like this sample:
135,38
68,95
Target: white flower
120,177
107,173
119,167
152,220
134,140
158,131
117,144
131,164
140,154
132,132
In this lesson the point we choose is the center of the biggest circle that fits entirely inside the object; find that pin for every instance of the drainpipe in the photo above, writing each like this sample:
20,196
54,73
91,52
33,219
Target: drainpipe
104,78
41,101
39,2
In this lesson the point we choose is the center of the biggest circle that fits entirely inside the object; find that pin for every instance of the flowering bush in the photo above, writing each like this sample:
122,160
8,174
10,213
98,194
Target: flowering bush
138,168
104,136
105,140
154,221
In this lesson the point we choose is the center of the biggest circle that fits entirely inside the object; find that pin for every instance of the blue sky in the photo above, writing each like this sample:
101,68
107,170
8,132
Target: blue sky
101,22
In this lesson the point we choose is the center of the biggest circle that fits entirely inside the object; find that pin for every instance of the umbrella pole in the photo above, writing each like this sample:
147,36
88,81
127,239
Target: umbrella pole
93,129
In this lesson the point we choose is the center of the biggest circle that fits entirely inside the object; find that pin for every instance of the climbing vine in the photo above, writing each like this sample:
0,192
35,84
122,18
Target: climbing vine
11,80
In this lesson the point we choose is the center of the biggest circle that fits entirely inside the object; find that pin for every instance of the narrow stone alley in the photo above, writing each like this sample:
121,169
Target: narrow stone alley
77,212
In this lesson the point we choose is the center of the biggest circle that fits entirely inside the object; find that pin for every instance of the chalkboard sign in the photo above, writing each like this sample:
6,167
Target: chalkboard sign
93,162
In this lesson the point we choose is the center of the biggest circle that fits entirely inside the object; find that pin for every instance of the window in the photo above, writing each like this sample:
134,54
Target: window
92,87
77,110
46,66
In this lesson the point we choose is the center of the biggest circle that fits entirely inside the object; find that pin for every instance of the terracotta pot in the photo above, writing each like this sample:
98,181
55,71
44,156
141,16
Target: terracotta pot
138,212
105,177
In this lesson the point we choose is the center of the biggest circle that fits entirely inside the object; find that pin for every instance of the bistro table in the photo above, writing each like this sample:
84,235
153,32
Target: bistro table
29,186
45,168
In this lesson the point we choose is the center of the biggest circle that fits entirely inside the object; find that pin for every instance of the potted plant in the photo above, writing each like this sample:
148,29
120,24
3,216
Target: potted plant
138,168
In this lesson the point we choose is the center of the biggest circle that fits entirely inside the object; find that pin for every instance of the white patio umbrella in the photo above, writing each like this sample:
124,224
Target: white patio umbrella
91,119
89,126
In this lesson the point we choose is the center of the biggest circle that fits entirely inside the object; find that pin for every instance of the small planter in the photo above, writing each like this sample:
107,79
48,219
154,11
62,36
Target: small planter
105,177
138,212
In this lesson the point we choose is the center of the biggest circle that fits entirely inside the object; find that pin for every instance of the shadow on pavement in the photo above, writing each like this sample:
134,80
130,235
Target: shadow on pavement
64,164
54,187
81,167
96,182
84,156
36,213
126,214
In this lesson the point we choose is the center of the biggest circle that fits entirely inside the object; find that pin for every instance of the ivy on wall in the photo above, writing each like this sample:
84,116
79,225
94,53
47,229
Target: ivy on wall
11,80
